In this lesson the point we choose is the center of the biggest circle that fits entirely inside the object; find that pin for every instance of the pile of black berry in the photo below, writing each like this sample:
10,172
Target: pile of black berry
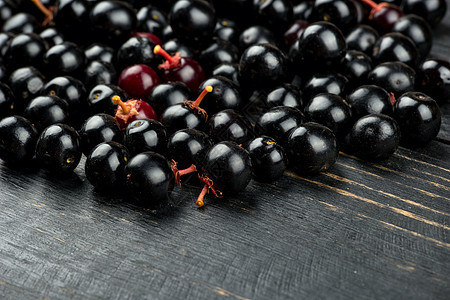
222,90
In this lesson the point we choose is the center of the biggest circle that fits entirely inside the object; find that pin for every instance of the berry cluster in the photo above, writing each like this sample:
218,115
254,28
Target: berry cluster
226,91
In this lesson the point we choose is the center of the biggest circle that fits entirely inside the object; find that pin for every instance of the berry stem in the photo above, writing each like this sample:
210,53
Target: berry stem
125,109
393,100
189,170
372,4
202,195
178,173
47,12
208,184
206,90
160,51
171,61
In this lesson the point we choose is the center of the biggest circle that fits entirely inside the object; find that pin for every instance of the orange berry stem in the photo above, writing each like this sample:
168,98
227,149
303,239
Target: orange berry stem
125,109
47,12
372,4
178,173
206,90
393,100
202,195
189,170
160,51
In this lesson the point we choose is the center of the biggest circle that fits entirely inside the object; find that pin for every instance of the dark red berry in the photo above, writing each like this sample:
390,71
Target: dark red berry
138,81
132,110
184,69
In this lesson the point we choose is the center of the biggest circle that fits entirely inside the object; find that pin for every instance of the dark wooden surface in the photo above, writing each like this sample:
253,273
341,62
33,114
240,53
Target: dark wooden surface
362,230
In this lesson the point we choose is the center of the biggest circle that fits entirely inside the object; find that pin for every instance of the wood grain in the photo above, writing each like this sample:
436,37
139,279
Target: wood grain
363,230
360,230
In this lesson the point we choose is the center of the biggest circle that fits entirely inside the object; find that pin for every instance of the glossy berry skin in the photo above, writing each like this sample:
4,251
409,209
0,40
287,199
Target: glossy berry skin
229,125
113,21
418,30
99,72
18,139
311,148
137,50
145,135
188,71
179,116
105,166
230,71
67,88
150,36
342,13
419,118
384,18
228,165
51,36
66,58
97,129
217,53
7,9
269,160
434,79
278,121
432,11
5,38
26,83
294,32
174,45
44,111
322,45
256,34
192,21
276,14
325,82
167,34
395,77
100,98
224,95
369,99
21,22
7,100
227,30
262,65
330,110
70,14
26,49
58,148
303,10
285,95
138,81
167,94
362,38
395,47
151,19
187,147
99,52
375,137
149,179
356,66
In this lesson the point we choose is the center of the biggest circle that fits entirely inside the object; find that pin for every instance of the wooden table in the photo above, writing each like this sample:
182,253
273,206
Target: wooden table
362,230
